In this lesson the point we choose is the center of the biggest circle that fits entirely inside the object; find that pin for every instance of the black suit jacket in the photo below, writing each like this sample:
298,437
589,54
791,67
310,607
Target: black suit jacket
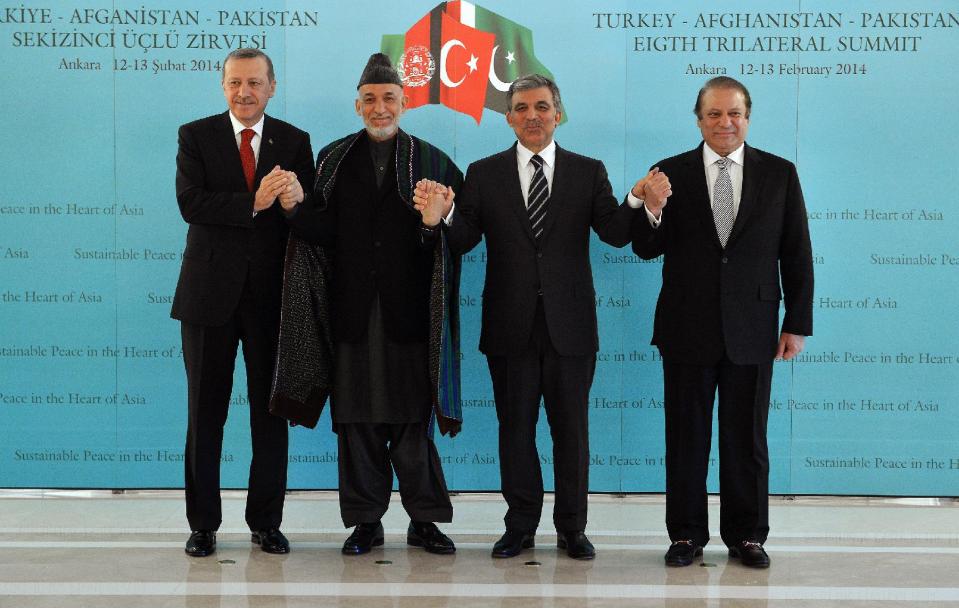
519,268
225,244
716,300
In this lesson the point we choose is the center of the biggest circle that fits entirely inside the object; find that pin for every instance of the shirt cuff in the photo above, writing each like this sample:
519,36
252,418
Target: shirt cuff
448,220
632,201
652,218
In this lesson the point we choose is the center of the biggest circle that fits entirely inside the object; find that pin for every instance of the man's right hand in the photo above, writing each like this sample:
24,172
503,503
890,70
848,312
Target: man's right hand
271,186
654,189
433,200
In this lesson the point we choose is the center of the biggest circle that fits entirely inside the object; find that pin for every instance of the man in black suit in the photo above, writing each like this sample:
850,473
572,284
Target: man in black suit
733,231
231,170
535,204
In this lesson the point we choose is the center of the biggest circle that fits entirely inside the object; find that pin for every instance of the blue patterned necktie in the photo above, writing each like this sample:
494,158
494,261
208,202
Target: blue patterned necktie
538,197
723,201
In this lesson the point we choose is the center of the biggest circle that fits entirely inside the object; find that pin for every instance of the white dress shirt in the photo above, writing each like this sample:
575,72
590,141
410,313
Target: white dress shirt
526,168
735,170
254,143
257,138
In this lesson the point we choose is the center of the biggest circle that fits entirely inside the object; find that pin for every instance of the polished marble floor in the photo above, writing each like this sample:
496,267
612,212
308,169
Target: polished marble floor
98,549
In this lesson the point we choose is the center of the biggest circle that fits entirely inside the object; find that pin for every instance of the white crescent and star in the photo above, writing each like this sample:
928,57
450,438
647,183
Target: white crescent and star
493,78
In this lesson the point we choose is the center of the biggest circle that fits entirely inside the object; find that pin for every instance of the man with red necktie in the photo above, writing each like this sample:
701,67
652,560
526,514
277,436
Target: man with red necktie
232,168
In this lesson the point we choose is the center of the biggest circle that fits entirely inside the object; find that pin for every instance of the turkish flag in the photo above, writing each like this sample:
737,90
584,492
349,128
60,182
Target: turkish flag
464,67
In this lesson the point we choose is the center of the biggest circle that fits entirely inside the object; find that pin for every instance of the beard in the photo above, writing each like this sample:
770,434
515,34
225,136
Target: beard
382,133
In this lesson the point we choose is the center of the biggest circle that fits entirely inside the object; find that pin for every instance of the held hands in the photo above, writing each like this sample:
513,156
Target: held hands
654,189
278,184
790,345
433,200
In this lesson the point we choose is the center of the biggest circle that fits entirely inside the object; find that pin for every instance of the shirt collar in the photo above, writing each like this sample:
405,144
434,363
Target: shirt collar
548,154
239,126
710,156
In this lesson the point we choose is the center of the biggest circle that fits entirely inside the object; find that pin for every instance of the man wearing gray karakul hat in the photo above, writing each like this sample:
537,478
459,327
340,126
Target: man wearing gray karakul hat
388,283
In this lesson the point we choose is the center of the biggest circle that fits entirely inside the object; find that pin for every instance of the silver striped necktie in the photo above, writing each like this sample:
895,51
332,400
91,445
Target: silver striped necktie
723,201
538,197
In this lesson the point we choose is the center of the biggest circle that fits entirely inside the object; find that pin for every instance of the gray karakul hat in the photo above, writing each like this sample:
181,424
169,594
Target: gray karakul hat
379,70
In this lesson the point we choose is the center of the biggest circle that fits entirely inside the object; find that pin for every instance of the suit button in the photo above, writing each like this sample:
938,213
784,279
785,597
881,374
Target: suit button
725,259
372,273
539,255
376,244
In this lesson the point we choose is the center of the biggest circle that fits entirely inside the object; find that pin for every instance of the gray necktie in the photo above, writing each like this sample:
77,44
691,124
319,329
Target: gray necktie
723,201
538,197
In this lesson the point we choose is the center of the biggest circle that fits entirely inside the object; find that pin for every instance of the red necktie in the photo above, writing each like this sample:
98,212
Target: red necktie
247,158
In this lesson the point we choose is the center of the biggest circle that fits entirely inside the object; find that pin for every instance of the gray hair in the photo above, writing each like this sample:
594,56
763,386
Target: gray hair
250,54
534,81
722,82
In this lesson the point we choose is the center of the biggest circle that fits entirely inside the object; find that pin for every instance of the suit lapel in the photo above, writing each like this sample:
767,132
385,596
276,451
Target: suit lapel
752,180
230,153
514,192
267,157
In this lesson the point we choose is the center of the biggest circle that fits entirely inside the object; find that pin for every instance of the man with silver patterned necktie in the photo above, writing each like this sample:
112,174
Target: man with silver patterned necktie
735,242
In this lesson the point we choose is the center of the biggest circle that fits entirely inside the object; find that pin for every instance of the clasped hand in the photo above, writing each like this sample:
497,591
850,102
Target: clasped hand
653,189
278,184
433,200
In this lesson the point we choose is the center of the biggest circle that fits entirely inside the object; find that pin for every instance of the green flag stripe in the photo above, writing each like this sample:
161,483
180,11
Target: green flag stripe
510,37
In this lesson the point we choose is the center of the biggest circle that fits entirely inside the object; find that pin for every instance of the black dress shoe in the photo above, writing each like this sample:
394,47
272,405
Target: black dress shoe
682,552
425,534
513,542
201,543
363,539
750,554
271,540
576,544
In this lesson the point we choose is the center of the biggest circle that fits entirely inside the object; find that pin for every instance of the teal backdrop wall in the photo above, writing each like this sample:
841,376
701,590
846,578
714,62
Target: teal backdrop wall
862,96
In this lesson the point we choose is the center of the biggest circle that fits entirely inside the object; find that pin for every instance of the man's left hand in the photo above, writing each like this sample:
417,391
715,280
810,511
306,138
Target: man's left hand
790,345
292,194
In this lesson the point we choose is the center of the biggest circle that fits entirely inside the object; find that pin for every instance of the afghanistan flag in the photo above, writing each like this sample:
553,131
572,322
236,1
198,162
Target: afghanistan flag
464,57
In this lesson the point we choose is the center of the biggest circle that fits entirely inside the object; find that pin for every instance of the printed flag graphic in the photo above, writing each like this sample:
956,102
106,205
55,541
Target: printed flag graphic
464,57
